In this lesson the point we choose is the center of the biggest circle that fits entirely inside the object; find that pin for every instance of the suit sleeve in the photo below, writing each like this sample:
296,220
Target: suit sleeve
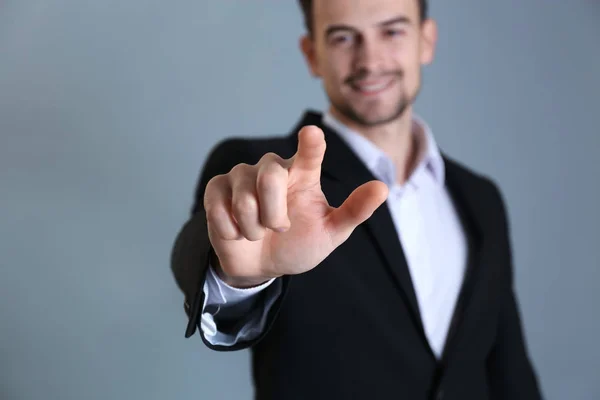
223,303
510,370
191,253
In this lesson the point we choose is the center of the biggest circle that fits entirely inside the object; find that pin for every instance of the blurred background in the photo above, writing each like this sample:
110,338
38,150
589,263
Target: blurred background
108,109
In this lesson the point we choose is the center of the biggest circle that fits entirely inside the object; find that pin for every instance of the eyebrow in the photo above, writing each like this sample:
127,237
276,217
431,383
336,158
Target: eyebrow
341,27
398,20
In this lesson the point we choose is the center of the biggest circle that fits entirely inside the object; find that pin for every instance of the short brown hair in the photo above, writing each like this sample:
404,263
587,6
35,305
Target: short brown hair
306,6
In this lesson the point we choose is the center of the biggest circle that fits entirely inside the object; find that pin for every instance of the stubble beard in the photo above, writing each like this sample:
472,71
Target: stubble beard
346,109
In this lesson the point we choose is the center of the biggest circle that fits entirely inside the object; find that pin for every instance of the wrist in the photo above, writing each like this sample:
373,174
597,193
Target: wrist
238,282
242,283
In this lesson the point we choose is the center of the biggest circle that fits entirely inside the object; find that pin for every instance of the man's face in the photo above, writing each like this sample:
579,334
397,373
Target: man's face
369,55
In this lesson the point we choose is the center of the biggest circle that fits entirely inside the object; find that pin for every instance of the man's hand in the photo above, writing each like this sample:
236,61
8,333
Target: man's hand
272,219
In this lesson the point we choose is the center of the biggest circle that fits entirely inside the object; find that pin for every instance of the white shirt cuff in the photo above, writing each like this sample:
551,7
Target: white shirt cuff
220,295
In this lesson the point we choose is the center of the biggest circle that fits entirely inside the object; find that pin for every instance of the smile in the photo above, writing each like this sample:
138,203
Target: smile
373,87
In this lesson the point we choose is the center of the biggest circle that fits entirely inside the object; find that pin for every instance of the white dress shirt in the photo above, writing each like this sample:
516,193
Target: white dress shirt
427,224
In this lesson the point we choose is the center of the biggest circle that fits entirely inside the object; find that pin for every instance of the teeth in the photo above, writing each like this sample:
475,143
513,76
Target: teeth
373,87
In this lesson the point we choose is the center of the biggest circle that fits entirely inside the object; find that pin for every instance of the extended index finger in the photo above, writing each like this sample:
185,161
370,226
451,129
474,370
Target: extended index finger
311,150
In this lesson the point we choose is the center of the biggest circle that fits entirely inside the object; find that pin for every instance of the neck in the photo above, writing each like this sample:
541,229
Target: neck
394,138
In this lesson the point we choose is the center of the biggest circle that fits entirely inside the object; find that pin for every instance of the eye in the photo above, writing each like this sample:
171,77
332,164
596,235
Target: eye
341,39
394,32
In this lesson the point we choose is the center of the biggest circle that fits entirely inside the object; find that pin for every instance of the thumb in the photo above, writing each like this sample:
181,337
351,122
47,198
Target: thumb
356,209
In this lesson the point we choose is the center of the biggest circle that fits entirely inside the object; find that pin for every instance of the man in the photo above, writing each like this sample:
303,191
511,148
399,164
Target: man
354,258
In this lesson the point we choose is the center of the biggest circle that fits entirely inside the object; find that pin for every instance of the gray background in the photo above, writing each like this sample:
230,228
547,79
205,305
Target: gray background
108,108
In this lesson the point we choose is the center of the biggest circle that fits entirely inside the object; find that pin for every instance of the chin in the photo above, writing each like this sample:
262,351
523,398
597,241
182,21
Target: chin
379,110
372,119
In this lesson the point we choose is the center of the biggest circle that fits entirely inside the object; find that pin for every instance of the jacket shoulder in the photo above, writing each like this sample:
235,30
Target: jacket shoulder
477,182
485,199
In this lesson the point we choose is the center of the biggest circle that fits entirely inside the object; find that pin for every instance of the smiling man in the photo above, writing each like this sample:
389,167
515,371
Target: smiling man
353,257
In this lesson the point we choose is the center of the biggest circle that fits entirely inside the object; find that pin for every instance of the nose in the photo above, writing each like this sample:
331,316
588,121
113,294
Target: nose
369,55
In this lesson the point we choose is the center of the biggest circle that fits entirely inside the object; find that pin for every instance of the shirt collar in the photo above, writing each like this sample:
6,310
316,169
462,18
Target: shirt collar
380,165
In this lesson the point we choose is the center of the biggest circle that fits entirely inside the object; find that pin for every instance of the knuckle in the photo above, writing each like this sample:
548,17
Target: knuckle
270,158
214,182
215,213
239,170
214,185
245,204
271,179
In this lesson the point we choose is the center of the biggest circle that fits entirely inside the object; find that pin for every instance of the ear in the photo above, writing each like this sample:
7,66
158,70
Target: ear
307,46
429,37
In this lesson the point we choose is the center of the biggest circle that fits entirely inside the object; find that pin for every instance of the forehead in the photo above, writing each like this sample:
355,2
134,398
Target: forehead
362,13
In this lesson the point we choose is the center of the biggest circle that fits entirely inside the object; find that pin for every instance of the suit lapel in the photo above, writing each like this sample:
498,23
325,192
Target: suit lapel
342,165
468,206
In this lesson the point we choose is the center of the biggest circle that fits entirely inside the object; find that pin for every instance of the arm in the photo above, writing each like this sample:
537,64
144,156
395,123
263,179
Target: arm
191,254
225,307
510,370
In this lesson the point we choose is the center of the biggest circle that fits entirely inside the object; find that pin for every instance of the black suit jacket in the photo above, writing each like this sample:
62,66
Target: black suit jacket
350,328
